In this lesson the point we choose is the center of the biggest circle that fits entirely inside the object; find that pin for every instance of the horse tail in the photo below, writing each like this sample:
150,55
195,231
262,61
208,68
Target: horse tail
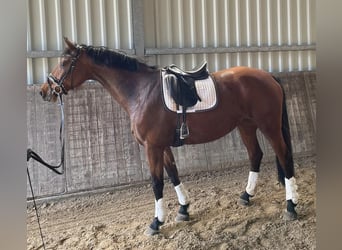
285,129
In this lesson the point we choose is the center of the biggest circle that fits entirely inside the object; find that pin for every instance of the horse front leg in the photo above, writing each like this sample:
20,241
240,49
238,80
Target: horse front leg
155,159
182,194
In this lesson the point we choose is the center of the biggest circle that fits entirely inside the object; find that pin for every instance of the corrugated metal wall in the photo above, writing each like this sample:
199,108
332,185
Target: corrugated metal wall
92,22
275,35
253,26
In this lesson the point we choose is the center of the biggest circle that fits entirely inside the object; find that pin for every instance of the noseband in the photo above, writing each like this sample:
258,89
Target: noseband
60,89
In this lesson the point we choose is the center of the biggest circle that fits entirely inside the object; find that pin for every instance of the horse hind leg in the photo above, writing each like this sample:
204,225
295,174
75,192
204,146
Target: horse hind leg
249,138
182,194
280,142
285,160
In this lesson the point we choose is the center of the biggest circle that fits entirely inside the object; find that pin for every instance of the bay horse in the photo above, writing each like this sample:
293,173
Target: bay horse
248,99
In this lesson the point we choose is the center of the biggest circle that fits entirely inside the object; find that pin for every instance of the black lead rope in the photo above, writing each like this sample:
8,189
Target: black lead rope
35,208
54,168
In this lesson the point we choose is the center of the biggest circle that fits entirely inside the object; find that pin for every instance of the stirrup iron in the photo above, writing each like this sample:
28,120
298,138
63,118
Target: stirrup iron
184,131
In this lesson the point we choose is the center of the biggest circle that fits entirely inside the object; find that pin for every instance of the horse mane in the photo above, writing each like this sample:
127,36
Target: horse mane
112,58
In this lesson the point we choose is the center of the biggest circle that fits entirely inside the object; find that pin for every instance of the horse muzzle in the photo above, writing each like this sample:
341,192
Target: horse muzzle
50,93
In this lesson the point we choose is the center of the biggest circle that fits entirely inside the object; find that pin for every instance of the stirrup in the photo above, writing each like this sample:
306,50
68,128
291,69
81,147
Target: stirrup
184,131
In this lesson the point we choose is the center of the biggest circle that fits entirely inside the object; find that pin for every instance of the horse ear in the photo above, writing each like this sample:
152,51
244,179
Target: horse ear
69,44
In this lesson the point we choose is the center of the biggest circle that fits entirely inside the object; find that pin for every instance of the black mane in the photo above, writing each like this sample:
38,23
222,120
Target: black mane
110,58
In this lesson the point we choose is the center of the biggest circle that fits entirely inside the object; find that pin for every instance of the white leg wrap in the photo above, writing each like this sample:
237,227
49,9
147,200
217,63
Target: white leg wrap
160,210
291,190
182,194
252,181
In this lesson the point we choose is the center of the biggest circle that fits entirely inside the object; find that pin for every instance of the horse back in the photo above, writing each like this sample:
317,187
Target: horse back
248,94
251,89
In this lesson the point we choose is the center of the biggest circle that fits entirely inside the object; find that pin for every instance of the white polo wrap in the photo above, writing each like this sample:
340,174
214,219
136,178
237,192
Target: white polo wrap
252,181
160,210
291,190
182,194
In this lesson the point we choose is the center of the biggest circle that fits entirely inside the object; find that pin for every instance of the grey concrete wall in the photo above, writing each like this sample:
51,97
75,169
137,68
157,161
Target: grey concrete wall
100,151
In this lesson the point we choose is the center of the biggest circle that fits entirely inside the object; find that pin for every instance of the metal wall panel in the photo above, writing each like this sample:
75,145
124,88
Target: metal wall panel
178,24
232,23
97,22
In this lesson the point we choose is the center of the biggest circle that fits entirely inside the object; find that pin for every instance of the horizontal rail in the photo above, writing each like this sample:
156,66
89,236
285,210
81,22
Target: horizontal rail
207,50
176,51
58,53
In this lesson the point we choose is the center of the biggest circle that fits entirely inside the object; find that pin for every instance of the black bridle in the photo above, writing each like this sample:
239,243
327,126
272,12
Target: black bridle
60,88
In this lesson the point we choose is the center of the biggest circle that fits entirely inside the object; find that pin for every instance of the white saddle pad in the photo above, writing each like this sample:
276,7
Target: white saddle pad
206,91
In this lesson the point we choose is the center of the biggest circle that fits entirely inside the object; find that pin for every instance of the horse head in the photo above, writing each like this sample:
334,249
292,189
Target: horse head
67,75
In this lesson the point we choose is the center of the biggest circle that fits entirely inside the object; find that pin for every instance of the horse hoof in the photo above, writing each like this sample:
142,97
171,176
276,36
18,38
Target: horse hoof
182,217
243,202
150,232
290,212
244,199
290,216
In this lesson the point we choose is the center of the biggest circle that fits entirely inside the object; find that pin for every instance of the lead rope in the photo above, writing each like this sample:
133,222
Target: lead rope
35,208
35,156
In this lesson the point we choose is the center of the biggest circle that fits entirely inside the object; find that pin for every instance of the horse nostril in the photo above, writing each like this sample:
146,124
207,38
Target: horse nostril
41,93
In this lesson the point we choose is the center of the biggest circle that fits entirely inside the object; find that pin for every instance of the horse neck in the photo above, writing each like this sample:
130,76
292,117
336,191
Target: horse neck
129,89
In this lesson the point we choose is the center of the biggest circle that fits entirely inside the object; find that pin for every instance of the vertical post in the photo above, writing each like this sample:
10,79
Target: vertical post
138,27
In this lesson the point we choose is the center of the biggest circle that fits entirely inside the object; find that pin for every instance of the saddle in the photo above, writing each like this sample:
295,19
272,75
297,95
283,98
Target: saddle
182,84
198,73
183,91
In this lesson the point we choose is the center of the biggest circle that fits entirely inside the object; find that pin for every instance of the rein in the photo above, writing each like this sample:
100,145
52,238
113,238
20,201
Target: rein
54,168
35,156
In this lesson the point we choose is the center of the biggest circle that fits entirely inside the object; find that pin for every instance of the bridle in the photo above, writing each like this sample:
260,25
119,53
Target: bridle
60,88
